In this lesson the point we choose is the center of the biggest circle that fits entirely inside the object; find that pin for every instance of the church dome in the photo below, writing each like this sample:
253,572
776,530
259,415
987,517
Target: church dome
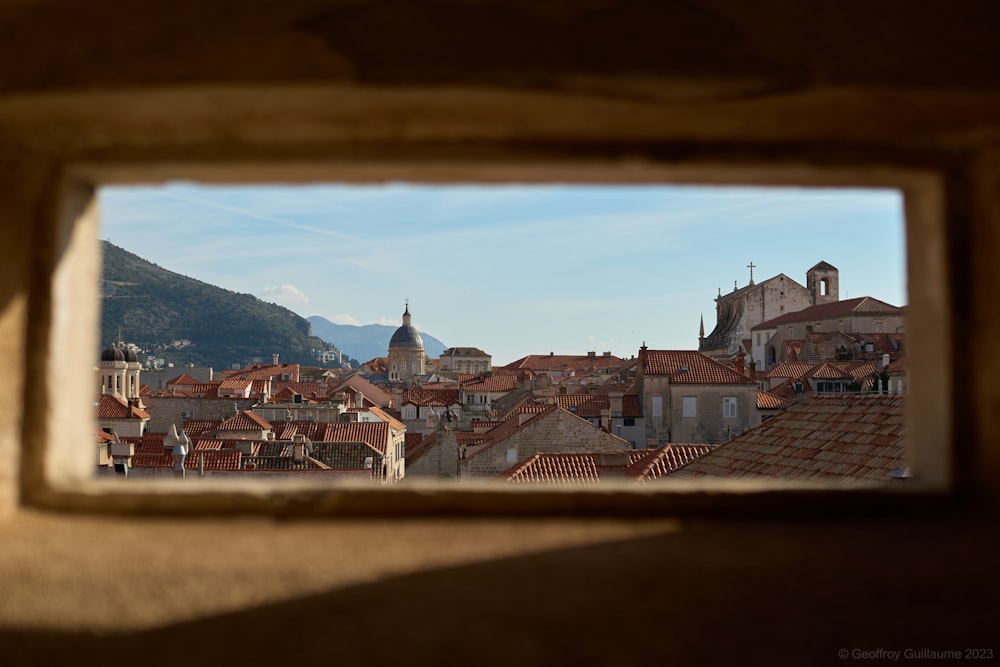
406,335
130,356
112,353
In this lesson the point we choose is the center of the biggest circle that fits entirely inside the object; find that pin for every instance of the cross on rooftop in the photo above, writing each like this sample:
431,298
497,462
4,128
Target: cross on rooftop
751,266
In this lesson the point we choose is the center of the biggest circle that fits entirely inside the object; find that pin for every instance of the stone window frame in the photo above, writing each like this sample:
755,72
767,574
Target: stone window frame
56,473
727,403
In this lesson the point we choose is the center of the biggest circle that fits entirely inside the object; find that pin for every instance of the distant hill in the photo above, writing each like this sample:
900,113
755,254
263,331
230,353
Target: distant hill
368,341
153,307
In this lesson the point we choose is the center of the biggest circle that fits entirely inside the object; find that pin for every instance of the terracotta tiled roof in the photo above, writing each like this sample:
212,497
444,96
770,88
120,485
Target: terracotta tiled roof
150,443
266,372
570,468
689,367
213,459
103,437
207,443
272,463
306,389
794,370
375,434
431,397
555,468
564,363
345,455
662,461
387,418
273,448
590,406
376,395
464,352
855,436
793,347
832,370
197,427
183,378
235,382
768,401
245,421
494,383
862,304
510,425
161,460
205,390
113,407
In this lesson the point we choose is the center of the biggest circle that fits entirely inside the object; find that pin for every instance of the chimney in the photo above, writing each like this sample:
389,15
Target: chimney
445,454
592,354
274,359
885,361
616,399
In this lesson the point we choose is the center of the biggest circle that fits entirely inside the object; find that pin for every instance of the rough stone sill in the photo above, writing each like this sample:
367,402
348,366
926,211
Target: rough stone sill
296,499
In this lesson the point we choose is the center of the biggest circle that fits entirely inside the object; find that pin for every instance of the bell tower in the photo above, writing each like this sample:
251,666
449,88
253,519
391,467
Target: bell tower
823,283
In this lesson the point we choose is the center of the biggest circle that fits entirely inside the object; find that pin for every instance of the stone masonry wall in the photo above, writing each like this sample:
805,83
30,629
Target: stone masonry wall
558,432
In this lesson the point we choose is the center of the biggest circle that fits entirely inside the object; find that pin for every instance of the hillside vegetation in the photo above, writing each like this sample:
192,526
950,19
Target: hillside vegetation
153,307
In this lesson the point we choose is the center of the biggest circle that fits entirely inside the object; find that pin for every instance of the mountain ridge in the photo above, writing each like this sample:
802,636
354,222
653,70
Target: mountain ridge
366,341
158,309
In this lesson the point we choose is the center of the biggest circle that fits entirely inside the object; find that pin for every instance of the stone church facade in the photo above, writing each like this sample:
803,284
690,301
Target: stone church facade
738,312
406,351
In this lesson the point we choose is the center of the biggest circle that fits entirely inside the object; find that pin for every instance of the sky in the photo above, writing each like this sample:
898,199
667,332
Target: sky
515,269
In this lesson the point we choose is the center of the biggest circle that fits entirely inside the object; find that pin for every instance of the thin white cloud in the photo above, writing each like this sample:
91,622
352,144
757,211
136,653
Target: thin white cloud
345,319
286,295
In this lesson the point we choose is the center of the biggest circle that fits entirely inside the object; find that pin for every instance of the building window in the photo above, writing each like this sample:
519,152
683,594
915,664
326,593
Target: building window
729,406
512,455
689,406
657,406
628,421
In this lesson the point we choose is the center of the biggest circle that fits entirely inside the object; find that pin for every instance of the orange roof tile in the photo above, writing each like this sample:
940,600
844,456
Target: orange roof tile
662,461
113,407
183,378
161,460
197,427
768,401
590,406
689,367
493,383
572,468
375,434
839,436
564,363
213,459
431,397
862,304
245,421
387,418
554,468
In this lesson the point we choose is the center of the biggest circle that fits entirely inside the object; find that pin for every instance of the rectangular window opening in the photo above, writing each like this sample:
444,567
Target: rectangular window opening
252,242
